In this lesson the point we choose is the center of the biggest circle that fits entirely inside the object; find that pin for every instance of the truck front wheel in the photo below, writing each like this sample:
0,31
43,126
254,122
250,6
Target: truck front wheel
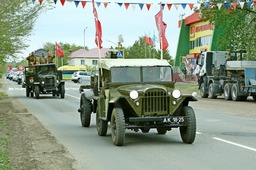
85,113
118,126
37,91
62,91
27,91
203,92
188,132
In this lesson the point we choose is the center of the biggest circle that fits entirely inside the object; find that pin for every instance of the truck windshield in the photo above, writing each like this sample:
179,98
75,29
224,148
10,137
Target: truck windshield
46,70
141,74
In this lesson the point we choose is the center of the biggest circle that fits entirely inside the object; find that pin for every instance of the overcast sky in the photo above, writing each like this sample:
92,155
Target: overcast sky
67,23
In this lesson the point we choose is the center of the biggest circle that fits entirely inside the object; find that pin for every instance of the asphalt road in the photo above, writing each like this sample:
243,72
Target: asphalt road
226,136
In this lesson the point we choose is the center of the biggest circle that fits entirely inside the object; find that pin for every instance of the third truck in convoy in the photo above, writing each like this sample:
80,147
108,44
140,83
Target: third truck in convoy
230,74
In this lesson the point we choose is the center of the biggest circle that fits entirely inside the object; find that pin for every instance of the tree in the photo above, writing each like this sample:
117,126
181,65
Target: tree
142,50
16,24
237,26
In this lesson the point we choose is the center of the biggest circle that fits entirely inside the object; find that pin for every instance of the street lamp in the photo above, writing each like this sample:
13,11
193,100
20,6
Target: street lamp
84,44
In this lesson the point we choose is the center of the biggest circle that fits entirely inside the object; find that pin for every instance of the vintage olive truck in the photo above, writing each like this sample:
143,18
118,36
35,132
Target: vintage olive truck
44,79
136,94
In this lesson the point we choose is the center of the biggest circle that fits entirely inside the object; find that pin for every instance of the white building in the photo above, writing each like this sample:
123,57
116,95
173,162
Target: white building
89,58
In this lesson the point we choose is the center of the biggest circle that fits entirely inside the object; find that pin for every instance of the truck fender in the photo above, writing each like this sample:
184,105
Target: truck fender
189,98
88,94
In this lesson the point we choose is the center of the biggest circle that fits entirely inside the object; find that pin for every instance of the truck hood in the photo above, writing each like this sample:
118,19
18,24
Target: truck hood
140,88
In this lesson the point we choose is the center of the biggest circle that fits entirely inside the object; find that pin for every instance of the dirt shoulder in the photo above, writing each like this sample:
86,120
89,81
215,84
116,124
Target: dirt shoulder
30,145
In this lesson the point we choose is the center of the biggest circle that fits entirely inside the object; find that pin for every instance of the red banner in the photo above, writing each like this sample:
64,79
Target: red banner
59,51
161,27
98,36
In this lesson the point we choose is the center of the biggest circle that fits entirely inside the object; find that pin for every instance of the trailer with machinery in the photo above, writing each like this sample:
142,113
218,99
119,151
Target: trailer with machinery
227,73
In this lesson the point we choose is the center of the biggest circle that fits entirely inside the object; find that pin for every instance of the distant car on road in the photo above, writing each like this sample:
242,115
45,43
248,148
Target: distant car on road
80,76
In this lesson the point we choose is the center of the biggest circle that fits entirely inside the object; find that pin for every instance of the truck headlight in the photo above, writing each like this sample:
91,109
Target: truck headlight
42,82
176,94
134,94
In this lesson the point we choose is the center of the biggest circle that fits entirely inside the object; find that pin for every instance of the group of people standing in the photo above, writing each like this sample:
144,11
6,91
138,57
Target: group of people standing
33,60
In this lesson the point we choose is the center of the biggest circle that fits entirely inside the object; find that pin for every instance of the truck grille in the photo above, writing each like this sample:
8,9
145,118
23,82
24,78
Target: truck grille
49,83
155,102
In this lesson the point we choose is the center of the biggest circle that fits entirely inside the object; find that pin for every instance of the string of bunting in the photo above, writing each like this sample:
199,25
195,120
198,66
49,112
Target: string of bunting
227,5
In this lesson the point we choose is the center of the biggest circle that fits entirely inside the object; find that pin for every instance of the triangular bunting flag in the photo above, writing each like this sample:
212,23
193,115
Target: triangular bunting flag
183,6
55,1
133,6
219,5
249,3
254,3
62,2
176,6
33,1
83,3
76,3
141,6
105,4
148,6
163,6
169,6
126,5
242,5
234,4
227,5
98,4
120,4
191,6
40,1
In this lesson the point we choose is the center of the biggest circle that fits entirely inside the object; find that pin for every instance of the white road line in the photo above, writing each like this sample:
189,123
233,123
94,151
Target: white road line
199,133
73,96
236,144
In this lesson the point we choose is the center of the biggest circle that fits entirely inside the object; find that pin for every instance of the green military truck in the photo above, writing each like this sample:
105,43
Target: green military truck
44,79
136,94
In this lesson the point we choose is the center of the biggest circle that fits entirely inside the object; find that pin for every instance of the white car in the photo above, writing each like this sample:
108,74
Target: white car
80,76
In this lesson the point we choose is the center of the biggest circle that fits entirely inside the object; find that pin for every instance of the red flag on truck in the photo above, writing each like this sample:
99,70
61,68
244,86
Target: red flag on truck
59,51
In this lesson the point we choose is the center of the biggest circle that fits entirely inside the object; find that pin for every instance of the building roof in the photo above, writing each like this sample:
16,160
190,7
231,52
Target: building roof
92,53
193,18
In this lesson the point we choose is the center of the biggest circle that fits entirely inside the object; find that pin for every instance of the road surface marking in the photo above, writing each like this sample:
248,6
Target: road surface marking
72,96
236,144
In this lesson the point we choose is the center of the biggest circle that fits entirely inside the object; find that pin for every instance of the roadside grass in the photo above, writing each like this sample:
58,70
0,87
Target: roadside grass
4,157
187,87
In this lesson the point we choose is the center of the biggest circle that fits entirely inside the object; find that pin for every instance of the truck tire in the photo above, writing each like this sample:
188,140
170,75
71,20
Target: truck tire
118,126
102,125
62,91
188,132
234,92
37,91
203,93
254,98
27,91
85,113
211,92
227,91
